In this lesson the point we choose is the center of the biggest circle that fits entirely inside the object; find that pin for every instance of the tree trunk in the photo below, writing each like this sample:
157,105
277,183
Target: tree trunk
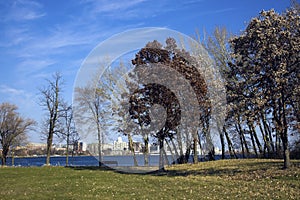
179,140
245,143
265,139
222,140
251,131
12,158
278,145
222,144
269,144
49,145
131,148
166,160
195,144
67,153
241,140
175,149
161,155
285,139
253,143
286,152
5,151
172,154
99,146
282,128
256,138
146,150
200,145
230,146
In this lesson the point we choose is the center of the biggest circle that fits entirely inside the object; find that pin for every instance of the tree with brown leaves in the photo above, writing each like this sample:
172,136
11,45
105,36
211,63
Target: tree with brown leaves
266,65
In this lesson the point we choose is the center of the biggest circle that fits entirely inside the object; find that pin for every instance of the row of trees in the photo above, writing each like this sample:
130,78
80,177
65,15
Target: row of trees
260,70
58,121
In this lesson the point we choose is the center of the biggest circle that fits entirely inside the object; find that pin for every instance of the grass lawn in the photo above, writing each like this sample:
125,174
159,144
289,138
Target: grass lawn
223,179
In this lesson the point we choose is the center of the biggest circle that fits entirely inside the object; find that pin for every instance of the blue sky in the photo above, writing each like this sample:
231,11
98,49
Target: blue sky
38,38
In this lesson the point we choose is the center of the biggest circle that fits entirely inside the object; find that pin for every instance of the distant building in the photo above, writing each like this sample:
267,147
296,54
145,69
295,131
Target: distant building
119,145
35,146
80,147
93,148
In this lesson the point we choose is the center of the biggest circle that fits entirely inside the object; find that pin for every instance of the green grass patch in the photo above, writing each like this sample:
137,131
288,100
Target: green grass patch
223,179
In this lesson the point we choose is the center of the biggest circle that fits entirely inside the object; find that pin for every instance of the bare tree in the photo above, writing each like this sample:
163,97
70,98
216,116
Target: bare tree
51,100
217,46
66,130
89,111
13,128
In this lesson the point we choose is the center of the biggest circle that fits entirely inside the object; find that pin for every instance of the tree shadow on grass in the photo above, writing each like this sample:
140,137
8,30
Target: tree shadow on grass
201,172
135,171
249,167
95,168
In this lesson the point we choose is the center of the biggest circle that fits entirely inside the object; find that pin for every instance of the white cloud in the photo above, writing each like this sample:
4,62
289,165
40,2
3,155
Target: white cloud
22,10
211,12
111,6
32,65
16,35
10,91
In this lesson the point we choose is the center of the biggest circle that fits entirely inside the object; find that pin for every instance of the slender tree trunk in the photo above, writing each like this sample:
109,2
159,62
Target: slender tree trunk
131,148
49,143
222,139
161,155
282,127
166,160
229,143
195,144
211,147
5,150
245,143
278,145
100,158
285,139
286,152
270,146
265,139
67,153
241,140
200,145
175,149
170,149
253,143
179,140
146,150
272,143
12,157
251,131
256,138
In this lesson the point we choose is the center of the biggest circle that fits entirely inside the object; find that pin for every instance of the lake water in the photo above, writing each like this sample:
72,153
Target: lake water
81,160
87,160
